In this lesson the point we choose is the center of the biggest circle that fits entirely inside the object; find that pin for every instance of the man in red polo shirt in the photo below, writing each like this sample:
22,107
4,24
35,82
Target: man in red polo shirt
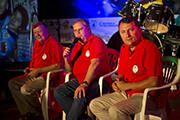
139,67
47,55
87,61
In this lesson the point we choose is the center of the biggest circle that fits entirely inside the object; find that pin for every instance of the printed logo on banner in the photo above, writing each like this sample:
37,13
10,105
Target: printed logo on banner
93,24
108,24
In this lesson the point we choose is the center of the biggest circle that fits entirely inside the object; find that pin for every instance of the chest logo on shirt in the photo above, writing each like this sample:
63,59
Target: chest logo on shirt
44,56
87,54
135,69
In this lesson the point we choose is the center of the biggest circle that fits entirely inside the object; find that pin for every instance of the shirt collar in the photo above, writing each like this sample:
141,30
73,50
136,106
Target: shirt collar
89,39
42,43
137,47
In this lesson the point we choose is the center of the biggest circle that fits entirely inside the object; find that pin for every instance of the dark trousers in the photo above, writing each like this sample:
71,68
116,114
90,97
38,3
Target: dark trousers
75,107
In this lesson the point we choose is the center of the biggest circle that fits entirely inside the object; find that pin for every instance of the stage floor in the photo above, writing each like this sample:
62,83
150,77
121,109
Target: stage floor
9,111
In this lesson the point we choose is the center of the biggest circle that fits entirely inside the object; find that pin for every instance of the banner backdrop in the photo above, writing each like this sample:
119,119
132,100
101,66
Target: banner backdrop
101,27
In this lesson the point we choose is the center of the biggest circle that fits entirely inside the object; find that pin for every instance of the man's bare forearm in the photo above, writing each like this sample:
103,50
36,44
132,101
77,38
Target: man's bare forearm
67,65
49,68
92,70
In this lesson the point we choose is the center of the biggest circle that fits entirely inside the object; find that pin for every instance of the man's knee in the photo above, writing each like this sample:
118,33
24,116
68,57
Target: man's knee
57,92
24,90
93,105
11,84
113,112
116,114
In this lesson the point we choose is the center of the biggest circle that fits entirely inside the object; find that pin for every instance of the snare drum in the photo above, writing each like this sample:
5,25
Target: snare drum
158,18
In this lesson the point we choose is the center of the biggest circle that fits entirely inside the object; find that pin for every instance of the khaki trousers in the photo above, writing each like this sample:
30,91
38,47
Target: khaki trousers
116,106
22,89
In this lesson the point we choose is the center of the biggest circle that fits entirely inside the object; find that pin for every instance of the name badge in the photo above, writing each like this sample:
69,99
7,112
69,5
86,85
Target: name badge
44,56
135,69
87,54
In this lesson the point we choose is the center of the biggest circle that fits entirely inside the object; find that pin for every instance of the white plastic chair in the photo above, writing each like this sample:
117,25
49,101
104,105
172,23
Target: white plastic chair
67,78
113,59
105,76
45,93
170,81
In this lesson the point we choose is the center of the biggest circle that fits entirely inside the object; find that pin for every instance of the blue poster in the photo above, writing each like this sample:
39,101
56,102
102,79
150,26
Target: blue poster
15,16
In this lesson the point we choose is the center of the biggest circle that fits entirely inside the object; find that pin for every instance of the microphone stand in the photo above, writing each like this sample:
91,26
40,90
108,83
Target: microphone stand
33,16
58,30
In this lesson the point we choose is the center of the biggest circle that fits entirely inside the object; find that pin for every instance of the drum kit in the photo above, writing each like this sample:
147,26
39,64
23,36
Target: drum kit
157,21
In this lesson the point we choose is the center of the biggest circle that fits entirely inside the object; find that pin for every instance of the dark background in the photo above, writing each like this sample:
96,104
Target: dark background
53,9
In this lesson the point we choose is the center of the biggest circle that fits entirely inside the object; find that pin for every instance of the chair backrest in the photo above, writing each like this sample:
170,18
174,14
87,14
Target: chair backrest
113,56
169,68
169,72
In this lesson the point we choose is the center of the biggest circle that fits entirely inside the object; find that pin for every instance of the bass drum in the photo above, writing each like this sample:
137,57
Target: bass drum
158,18
154,38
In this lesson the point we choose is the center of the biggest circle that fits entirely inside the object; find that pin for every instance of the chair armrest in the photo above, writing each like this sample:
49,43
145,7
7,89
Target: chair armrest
145,95
67,77
48,76
102,78
147,90
48,80
46,90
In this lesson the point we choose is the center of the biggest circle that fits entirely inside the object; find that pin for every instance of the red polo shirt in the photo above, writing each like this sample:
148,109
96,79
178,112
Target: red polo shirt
94,47
47,53
142,63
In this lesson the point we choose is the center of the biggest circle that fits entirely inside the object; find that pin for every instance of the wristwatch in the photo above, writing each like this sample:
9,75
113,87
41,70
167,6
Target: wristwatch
85,83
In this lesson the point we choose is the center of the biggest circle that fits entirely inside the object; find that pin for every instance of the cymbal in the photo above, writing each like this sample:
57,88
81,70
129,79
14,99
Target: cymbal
154,2
147,1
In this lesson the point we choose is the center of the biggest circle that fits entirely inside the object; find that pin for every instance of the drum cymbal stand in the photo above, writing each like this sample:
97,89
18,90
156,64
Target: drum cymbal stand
137,11
128,9
174,45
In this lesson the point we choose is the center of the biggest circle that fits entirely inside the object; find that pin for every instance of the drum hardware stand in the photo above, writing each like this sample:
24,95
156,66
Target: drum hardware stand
137,7
133,11
58,30
174,49
174,43
139,13
161,47
34,19
130,3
